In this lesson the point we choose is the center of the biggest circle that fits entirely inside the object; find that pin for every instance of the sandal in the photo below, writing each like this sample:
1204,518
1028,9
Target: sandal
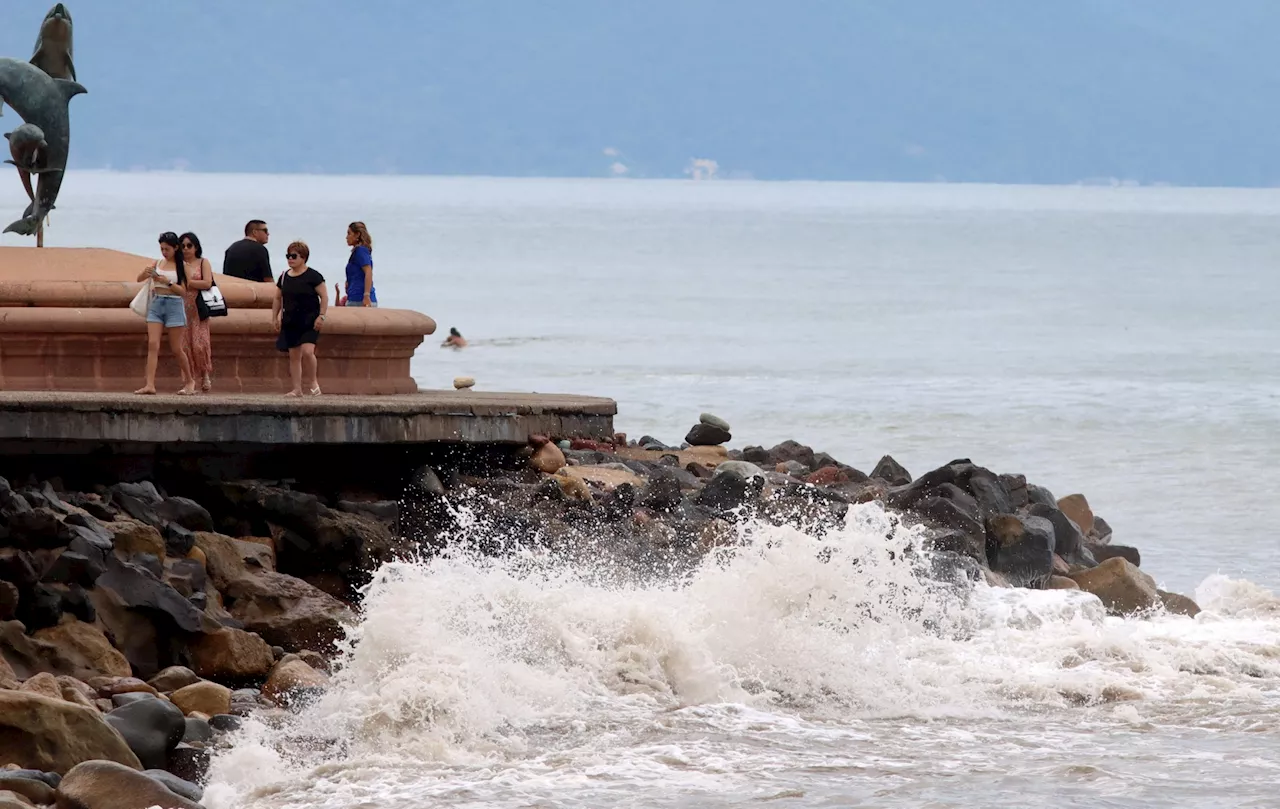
145,392
207,384
293,394
187,392
314,391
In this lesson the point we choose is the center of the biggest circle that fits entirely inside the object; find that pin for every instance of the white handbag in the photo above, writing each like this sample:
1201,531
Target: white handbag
142,301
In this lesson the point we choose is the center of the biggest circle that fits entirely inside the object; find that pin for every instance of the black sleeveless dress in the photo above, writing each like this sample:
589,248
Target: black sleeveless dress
301,307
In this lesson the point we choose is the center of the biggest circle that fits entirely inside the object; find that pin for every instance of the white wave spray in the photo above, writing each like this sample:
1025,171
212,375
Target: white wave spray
468,669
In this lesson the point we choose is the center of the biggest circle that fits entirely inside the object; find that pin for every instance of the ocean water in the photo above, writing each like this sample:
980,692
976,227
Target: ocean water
1119,342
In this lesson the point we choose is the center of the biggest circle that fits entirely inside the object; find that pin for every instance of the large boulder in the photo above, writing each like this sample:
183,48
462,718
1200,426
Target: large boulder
724,494
1103,552
151,728
548,458
173,678
1067,536
284,610
891,472
1121,586
32,789
84,651
104,785
950,507
231,654
1021,549
55,735
187,513
38,528
1076,507
132,537
293,680
140,589
203,697
707,435
1177,604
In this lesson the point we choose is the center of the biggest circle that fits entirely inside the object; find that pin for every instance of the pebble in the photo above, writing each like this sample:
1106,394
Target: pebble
742,469
464,382
714,421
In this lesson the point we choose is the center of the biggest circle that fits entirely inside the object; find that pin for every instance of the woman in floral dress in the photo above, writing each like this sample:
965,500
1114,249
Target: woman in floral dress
199,278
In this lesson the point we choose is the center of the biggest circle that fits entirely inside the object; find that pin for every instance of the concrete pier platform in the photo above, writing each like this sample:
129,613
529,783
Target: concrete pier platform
68,422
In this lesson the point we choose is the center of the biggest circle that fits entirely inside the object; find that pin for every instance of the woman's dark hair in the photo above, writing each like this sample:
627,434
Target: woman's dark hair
195,241
170,238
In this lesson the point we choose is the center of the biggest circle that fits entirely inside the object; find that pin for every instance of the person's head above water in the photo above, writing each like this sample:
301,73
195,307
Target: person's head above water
454,332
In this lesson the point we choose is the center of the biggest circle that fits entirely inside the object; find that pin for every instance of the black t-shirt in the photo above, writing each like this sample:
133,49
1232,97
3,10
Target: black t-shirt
248,260
301,305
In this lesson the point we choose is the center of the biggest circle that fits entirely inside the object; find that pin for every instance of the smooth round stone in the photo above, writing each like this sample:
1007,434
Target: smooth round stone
463,382
715,421
743,469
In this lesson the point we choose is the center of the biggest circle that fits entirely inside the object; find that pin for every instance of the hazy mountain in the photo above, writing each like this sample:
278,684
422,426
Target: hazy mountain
1177,91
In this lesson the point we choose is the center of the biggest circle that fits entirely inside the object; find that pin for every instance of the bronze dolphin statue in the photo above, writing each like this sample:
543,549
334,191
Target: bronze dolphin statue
27,146
54,46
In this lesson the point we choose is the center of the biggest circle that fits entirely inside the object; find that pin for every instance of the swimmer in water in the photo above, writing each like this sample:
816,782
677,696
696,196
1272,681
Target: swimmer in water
454,340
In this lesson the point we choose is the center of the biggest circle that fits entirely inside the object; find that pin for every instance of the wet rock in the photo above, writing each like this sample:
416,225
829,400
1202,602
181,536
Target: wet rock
106,785
185,513
805,507
38,528
952,508
891,472
793,451
548,459
1021,549
662,493
1103,552
115,686
706,435
1121,586
1076,507
31,789
1039,494
176,785
231,654
137,509
425,481
991,494
743,469
755,455
190,763
178,541
1068,539
83,651
1178,604
1101,533
173,678
53,735
794,469
713,421
1061,583
40,607
203,697
225,723
151,728
74,568
92,504
198,730
145,491
726,493
293,681
8,600
121,700
835,476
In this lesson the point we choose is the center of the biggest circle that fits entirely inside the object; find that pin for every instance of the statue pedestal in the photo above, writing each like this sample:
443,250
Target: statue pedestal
65,325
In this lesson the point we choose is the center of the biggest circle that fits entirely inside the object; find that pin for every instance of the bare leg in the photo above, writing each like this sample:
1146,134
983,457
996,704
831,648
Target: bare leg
309,369
177,336
295,371
153,356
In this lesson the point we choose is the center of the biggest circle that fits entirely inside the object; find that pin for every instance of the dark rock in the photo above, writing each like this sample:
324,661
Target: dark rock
121,700
805,507
699,471
956,473
386,512
792,451
151,728
1021,549
176,785
822,460
148,562
991,494
891,472
145,491
93,542
76,602
1067,536
662,492
618,503
138,509
793,468
1040,495
50,778
225,723
953,508
954,568
35,790
1105,552
424,480
1101,531
755,455
178,540
140,589
185,513
38,528
189,763
8,600
92,504
726,493
707,435
40,608
187,576
1016,486
18,567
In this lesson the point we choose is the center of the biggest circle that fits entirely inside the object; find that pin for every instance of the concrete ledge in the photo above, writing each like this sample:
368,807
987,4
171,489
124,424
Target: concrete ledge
39,419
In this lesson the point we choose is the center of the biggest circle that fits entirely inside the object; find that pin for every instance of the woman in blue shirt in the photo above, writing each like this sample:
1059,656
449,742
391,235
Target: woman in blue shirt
360,291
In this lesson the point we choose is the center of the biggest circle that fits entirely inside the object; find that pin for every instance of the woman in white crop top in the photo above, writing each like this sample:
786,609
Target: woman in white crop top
167,310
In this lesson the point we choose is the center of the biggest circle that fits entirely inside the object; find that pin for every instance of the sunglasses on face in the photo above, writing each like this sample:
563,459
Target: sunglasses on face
188,246
292,256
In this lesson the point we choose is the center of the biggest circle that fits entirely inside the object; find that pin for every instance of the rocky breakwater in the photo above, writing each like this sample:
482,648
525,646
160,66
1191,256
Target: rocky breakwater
139,625
134,636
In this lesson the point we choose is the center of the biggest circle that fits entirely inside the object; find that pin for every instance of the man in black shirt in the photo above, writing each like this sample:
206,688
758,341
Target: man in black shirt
248,258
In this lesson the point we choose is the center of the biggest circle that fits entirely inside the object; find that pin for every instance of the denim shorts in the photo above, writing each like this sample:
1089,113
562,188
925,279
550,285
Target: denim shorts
360,302
169,310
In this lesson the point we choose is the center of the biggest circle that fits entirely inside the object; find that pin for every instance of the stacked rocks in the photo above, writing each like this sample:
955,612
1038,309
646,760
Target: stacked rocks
710,431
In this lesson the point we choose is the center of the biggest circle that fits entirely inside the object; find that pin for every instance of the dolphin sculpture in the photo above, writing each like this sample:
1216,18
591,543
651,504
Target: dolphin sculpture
27,145
53,45
42,101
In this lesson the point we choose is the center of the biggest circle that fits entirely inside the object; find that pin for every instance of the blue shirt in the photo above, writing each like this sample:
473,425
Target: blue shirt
361,257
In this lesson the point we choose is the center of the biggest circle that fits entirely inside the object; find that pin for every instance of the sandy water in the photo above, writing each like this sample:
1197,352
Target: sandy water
1119,342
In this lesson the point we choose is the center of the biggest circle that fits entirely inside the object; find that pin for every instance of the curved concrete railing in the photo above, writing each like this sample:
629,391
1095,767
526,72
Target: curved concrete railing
78,334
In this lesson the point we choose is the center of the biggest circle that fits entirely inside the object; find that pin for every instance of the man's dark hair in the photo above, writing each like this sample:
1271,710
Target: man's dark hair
253,225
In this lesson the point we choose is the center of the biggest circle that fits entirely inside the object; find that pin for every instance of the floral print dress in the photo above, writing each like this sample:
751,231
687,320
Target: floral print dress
199,349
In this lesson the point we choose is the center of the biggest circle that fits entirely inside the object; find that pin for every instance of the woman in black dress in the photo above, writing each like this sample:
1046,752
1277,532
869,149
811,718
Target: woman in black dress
302,299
